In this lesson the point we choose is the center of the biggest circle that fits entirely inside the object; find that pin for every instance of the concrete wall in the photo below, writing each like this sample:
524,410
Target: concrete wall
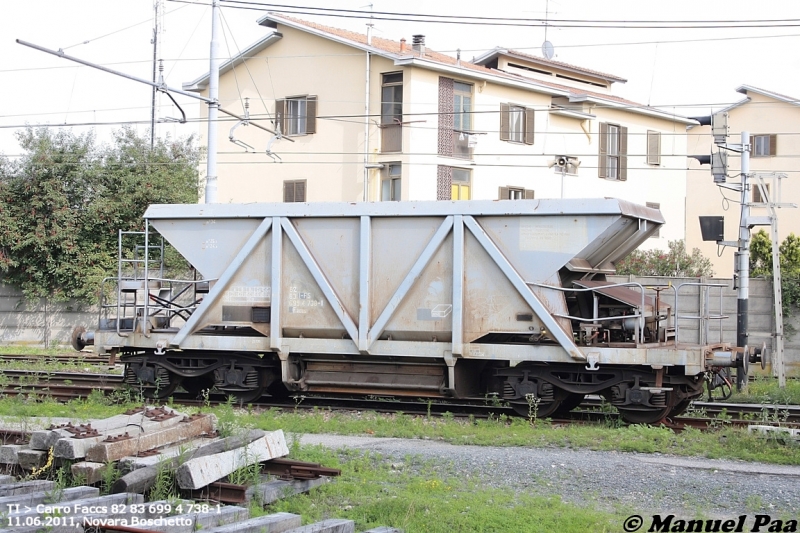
41,324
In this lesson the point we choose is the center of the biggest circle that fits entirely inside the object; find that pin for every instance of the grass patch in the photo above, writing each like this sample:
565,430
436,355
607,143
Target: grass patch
373,493
764,389
33,350
723,442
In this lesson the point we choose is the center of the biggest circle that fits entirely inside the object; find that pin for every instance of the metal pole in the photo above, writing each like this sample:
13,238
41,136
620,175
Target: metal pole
366,120
156,30
213,106
743,259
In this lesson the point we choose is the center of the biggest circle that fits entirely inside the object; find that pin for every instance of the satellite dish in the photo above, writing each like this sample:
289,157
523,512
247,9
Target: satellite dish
547,50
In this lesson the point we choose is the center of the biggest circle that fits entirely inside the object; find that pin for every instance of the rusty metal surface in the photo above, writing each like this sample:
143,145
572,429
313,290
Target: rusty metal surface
287,469
221,492
624,295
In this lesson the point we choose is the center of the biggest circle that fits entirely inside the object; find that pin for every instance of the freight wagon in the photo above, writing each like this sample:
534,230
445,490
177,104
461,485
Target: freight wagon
500,300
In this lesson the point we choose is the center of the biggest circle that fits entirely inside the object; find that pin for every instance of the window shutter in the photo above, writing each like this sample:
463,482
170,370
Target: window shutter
653,148
503,193
505,119
300,191
773,144
528,194
602,163
623,153
529,126
288,191
280,115
752,145
311,114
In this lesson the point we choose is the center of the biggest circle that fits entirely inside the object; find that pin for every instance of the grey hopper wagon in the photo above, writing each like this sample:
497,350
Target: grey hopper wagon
467,299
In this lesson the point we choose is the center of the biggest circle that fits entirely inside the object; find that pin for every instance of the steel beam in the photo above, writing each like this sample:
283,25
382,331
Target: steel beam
275,285
319,277
411,278
219,287
365,270
553,328
458,285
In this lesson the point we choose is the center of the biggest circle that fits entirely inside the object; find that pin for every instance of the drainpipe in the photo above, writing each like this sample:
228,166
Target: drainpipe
366,118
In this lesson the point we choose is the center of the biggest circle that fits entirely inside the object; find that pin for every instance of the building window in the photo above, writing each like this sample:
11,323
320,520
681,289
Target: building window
757,197
613,160
297,115
516,124
653,147
763,145
654,205
294,191
462,182
391,182
462,106
463,139
515,193
392,112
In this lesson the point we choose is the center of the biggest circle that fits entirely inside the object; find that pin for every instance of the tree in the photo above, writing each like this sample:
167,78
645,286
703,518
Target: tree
63,202
675,262
761,265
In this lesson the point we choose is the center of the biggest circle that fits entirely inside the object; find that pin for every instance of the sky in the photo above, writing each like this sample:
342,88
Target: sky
689,71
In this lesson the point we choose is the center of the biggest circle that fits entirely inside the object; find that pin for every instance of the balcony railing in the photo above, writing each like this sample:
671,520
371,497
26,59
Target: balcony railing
463,144
391,138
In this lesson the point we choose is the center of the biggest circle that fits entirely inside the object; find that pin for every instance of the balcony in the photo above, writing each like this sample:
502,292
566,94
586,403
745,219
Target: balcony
391,138
464,143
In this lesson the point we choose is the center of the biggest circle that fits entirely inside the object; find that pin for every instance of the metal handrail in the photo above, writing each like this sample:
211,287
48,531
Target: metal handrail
719,317
640,315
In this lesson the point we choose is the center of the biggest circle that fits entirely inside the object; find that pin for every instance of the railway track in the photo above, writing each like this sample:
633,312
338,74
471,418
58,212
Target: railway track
70,385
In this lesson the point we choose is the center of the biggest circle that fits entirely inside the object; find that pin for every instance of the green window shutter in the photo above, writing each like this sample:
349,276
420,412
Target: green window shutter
311,114
529,115
505,127
623,153
602,162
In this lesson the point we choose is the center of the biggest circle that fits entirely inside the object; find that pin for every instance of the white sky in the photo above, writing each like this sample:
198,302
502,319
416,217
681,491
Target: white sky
41,89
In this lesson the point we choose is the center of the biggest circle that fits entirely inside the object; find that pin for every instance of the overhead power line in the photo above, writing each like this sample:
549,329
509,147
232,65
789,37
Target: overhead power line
508,21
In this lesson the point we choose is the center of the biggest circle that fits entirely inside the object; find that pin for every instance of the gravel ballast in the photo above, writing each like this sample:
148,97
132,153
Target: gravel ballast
651,483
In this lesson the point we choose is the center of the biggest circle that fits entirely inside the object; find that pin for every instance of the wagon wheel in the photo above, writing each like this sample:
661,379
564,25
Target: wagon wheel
242,395
570,402
161,390
644,416
542,409
198,384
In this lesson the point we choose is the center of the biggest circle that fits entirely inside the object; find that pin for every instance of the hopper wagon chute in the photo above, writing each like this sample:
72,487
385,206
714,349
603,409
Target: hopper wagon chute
464,300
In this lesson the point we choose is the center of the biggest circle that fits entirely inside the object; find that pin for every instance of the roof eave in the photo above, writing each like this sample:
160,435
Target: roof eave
468,73
599,76
744,89
326,35
649,111
201,83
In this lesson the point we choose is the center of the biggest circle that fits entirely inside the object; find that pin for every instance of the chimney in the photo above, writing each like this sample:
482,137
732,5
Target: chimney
402,45
418,44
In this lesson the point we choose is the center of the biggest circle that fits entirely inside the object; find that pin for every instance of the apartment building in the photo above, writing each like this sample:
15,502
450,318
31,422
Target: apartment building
367,118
